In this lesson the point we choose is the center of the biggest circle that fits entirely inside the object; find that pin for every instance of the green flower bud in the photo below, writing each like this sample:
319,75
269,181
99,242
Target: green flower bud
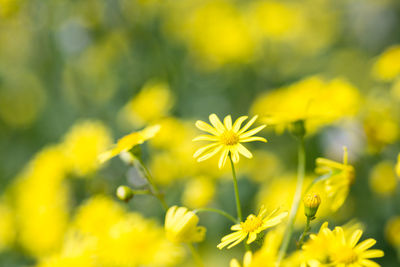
311,204
124,193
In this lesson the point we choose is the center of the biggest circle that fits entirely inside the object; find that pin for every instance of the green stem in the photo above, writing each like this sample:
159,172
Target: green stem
195,255
156,191
221,212
305,232
141,192
235,184
296,200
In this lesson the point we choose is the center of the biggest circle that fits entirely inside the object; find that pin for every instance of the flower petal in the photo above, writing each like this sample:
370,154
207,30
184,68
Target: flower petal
355,237
248,124
238,123
366,244
210,154
203,149
372,253
228,122
223,157
244,151
252,139
217,123
205,137
252,132
252,237
206,127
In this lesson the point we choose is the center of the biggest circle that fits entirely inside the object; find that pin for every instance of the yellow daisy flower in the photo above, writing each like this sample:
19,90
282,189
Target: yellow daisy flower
338,185
349,253
226,138
181,226
339,248
252,227
129,141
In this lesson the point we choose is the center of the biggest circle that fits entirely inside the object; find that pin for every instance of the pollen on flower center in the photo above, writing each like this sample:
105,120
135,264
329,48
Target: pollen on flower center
229,138
251,224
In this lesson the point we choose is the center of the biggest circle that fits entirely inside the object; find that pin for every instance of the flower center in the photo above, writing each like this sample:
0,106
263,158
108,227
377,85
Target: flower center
346,256
251,224
229,138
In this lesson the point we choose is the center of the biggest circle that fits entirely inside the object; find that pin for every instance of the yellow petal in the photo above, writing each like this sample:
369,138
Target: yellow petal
244,151
217,123
228,122
206,127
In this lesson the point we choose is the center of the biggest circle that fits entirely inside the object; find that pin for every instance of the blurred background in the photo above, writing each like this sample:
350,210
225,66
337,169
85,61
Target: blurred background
77,75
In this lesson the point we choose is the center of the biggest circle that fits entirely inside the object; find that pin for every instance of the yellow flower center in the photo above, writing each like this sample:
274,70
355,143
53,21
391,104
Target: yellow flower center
251,224
229,138
346,256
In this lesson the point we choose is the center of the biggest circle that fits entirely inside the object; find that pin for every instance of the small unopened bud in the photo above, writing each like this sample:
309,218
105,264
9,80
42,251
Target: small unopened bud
311,204
124,193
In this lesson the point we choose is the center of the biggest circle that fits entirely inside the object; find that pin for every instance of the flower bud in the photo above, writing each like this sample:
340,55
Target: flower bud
311,204
124,193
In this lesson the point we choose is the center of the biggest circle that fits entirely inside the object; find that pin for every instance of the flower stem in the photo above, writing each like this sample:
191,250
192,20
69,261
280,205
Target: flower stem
296,200
221,212
305,232
195,255
235,184
155,190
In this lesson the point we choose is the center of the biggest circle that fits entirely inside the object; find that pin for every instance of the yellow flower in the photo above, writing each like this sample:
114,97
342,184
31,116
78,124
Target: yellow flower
338,185
181,226
226,138
382,179
387,67
151,104
316,101
252,227
339,248
398,166
129,141
246,260
198,192
392,231
83,143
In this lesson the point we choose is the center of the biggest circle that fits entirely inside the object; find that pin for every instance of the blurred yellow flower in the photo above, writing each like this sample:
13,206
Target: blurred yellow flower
7,226
392,231
387,66
338,185
129,141
97,209
216,32
252,227
181,226
382,179
41,201
136,241
314,100
77,250
380,122
9,7
398,165
226,138
151,104
340,248
82,145
22,97
247,259
198,192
